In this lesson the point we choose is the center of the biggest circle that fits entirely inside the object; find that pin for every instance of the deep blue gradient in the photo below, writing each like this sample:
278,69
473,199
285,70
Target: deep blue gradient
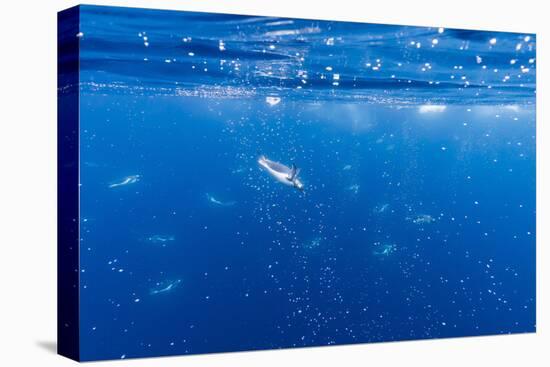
416,148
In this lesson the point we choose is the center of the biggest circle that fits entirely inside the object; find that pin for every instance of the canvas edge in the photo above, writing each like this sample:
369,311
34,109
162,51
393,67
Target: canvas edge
68,218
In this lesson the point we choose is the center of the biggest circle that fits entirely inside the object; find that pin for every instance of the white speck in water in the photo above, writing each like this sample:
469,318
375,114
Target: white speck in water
330,41
479,60
513,61
191,54
527,38
221,45
493,41
435,41
328,68
136,300
441,30
336,76
80,34
272,101
271,47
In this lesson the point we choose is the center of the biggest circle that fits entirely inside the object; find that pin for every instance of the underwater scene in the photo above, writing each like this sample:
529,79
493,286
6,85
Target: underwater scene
258,183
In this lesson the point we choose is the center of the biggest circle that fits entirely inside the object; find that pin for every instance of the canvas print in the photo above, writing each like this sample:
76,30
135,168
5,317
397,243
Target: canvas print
237,183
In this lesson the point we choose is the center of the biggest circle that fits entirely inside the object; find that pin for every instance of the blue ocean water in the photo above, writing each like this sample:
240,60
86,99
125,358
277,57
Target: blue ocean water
416,148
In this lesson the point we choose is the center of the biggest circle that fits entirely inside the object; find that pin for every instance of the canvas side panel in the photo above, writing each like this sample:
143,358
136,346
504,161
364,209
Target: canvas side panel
67,183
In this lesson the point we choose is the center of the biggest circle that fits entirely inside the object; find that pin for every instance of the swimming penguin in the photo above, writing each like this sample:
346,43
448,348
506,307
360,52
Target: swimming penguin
126,181
282,173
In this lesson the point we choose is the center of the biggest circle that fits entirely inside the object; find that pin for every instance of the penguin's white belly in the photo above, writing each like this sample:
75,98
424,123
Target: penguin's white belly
281,177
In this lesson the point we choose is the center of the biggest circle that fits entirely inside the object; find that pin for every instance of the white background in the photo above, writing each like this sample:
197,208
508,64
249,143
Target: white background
28,183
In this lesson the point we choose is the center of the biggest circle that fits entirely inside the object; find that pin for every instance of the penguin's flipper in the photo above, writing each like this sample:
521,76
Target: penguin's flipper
292,173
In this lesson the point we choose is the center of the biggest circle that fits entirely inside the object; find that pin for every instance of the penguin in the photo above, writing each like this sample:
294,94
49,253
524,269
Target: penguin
126,181
285,175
